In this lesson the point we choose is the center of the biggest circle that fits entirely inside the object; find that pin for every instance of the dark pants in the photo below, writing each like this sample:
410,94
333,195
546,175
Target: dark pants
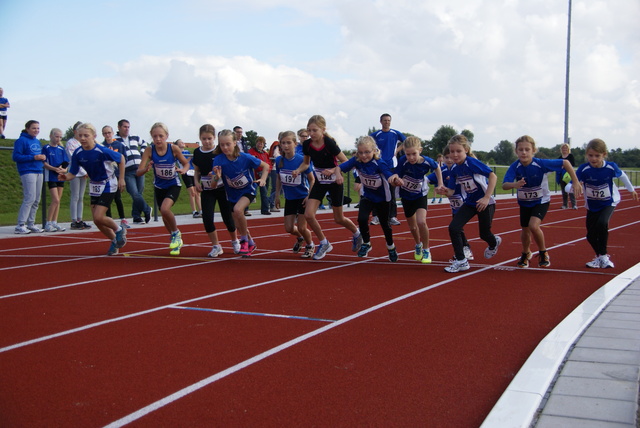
208,200
366,207
118,200
461,218
598,229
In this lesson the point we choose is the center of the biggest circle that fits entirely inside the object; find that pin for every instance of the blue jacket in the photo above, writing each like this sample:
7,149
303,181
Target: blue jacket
24,149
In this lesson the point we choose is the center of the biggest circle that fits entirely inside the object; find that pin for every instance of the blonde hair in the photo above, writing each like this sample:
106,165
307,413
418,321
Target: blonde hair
53,131
598,146
88,126
227,133
320,122
371,143
462,141
412,142
159,125
526,139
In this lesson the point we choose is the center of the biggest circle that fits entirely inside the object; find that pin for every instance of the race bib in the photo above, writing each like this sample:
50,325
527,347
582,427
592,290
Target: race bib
206,182
411,185
238,182
598,193
322,178
529,193
289,180
456,202
371,181
96,188
165,172
467,183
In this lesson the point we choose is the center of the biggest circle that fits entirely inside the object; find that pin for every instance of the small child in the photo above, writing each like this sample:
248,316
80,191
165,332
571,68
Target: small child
602,196
410,174
440,162
529,175
296,192
98,162
325,154
56,163
166,181
212,191
374,174
236,169
477,182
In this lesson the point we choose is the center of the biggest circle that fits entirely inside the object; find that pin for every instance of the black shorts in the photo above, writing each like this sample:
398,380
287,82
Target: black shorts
526,213
187,180
172,193
411,206
246,195
293,206
336,192
103,200
54,184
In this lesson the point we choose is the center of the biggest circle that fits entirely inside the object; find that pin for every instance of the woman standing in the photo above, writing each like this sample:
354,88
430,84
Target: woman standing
27,154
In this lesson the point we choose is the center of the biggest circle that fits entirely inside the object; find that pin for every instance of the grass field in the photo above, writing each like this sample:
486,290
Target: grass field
11,191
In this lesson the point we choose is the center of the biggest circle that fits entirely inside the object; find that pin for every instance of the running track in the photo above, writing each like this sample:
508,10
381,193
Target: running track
144,339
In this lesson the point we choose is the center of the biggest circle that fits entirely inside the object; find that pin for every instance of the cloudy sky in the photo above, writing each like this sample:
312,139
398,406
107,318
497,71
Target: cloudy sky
495,67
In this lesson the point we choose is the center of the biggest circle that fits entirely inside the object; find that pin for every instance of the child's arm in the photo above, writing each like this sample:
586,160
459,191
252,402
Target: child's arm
514,184
181,158
577,190
628,185
196,178
278,191
121,167
439,177
303,166
483,202
262,181
145,163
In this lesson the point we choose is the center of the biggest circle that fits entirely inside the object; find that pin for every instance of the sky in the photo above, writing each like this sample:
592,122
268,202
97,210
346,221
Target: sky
494,67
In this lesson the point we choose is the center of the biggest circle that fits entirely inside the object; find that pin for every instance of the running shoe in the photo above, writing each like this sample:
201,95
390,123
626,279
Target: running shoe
49,228
375,220
124,223
418,252
490,252
216,250
458,266
322,250
523,262
356,243
605,262
543,259
113,249
308,251
85,225
298,244
595,263
467,252
244,248
176,243
34,229
250,249
197,214
393,254
364,249
21,230
426,256
393,221
236,246
58,227
121,237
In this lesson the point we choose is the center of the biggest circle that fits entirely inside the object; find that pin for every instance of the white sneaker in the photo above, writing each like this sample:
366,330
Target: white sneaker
236,246
595,263
216,250
458,266
488,252
467,253
35,229
50,228
605,262
322,250
375,220
393,221
58,227
22,230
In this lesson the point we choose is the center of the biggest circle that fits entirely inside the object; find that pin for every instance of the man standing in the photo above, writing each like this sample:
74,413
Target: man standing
133,146
387,140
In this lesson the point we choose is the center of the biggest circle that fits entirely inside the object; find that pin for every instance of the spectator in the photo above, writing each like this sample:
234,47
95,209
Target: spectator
261,154
27,154
77,186
4,105
133,146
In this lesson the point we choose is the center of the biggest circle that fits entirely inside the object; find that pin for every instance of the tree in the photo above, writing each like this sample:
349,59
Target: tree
468,134
68,134
252,136
504,153
439,141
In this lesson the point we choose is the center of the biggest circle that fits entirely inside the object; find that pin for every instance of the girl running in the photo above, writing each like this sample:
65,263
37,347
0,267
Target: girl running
324,152
602,196
98,164
56,163
236,169
374,174
529,175
166,179
296,192
477,182
212,192
410,173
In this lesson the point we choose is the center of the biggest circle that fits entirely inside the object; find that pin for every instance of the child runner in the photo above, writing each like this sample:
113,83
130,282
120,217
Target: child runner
166,181
477,182
455,200
115,145
98,162
324,152
529,176
56,163
236,169
440,162
411,170
374,174
212,192
602,196
296,192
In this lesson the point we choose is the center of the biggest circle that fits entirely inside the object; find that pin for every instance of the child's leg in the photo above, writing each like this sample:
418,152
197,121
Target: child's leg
54,205
303,230
107,226
598,229
168,218
421,220
485,218
385,207
460,218
310,216
238,215
525,238
192,198
119,205
290,225
225,212
536,232
339,218
365,209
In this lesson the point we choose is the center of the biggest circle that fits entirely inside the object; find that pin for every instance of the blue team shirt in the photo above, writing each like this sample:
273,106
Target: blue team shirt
165,173
387,143
238,175
99,165
471,175
55,157
294,188
414,177
373,176
599,190
536,188
455,200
